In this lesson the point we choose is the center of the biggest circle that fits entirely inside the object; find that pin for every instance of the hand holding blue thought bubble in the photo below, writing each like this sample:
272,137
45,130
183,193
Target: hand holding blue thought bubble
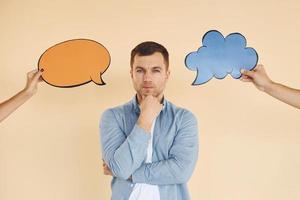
220,56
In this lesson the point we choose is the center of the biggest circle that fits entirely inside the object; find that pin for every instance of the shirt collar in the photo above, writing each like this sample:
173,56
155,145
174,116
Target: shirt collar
136,104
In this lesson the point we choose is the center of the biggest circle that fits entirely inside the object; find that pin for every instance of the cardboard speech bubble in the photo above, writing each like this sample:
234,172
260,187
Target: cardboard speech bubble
219,56
74,62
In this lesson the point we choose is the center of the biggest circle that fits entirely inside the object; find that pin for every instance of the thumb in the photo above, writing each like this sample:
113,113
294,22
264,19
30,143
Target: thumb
259,67
32,73
247,73
37,75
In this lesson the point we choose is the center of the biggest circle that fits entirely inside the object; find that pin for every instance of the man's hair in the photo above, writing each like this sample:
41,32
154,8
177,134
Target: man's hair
148,48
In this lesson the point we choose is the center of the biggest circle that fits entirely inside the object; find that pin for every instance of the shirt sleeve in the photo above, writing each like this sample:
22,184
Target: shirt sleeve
122,154
183,156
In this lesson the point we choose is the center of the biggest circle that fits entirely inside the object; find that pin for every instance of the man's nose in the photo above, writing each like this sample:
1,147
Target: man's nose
147,76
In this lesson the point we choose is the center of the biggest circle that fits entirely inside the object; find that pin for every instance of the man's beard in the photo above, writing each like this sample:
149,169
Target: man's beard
153,93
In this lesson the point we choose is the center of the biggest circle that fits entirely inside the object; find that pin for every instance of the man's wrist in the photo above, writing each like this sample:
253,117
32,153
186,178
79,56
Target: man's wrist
144,124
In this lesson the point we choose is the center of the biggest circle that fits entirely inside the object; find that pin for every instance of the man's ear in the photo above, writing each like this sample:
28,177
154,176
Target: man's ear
168,74
131,72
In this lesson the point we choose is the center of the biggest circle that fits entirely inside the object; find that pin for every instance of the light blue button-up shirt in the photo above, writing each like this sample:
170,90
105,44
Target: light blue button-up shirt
175,150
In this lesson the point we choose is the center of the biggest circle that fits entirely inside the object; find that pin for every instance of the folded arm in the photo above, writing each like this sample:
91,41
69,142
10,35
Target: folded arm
122,154
183,155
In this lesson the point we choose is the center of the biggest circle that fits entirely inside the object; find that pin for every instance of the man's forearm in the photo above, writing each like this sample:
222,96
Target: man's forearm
122,154
181,161
128,156
171,171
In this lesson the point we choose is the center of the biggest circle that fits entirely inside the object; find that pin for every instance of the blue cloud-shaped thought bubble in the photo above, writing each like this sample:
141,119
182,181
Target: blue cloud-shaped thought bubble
220,56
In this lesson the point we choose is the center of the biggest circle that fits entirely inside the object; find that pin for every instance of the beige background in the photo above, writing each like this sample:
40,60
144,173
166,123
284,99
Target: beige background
49,148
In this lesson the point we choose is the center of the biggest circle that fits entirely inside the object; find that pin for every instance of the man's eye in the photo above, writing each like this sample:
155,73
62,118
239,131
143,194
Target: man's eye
156,70
139,71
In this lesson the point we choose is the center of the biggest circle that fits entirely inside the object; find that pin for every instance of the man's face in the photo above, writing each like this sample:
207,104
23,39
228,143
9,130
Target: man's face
149,74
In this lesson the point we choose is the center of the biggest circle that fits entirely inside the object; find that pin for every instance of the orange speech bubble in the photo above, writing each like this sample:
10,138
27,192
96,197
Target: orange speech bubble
74,62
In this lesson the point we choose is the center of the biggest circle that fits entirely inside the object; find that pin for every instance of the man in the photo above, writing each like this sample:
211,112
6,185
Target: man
10,105
281,92
149,145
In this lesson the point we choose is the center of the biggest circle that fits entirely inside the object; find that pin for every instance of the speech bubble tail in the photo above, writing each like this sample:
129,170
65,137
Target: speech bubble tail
97,79
203,76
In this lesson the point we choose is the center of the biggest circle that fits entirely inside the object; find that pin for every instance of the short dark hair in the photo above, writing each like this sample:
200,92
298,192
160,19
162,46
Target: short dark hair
148,48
